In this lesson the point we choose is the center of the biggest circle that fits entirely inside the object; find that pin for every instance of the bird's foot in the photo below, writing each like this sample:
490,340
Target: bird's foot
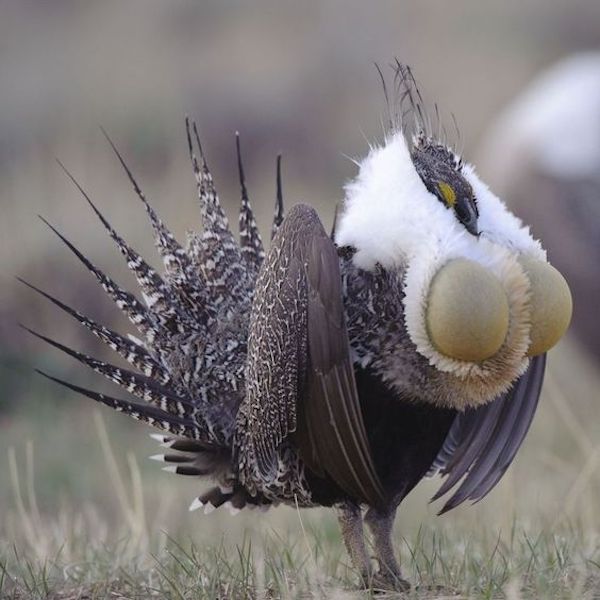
388,582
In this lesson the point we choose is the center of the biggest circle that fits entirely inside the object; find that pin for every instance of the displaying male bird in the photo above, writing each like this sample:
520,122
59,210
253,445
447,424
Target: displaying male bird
339,371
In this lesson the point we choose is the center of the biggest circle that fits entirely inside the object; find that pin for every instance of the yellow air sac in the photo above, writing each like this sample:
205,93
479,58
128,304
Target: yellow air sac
551,305
467,311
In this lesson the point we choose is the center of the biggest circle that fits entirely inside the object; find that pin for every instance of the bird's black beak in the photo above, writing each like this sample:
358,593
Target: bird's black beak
467,213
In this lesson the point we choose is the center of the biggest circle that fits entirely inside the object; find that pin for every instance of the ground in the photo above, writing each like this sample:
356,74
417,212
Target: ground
85,515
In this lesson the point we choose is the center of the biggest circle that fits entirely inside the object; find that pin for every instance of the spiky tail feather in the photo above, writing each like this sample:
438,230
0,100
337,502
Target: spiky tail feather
204,284
250,240
234,498
279,212
156,417
140,386
131,351
160,299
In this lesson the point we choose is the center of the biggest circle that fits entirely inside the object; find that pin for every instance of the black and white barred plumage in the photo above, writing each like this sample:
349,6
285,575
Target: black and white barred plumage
190,355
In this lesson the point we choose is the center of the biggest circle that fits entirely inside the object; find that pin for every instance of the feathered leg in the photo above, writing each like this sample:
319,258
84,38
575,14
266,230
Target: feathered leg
381,523
351,524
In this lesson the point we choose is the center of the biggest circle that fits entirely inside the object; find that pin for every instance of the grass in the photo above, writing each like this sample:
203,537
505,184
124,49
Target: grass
549,564
81,515
114,527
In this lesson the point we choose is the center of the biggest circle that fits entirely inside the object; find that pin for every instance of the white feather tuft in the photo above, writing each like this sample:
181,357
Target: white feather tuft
196,504
498,224
389,216
163,440
170,469
208,508
387,207
391,219
158,437
157,457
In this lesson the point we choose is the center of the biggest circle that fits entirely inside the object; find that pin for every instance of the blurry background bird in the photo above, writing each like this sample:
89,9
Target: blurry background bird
543,155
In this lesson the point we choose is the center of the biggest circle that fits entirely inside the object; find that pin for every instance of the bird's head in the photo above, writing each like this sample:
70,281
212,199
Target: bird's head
440,170
478,296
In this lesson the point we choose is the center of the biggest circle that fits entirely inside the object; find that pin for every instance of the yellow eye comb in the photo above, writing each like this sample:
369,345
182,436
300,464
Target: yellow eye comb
448,193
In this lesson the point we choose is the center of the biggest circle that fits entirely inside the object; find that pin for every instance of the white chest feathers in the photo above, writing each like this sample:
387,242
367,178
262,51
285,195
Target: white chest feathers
473,304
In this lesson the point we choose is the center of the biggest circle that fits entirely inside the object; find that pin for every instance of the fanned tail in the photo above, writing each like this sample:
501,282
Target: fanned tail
137,385
190,361
216,251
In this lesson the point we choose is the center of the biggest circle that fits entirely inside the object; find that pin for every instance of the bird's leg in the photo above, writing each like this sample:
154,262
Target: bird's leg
351,524
381,524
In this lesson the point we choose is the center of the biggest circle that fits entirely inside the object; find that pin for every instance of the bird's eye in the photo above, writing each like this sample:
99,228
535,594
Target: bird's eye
448,193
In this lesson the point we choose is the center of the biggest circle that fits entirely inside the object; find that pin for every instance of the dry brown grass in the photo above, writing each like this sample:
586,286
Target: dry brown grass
128,532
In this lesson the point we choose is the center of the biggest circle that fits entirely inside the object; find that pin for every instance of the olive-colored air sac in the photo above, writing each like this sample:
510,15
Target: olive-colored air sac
467,311
551,305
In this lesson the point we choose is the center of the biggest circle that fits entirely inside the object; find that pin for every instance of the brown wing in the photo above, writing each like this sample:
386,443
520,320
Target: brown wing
300,380
483,442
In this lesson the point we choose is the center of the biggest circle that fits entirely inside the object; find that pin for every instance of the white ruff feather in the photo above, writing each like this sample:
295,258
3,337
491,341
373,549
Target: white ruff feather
391,219
196,504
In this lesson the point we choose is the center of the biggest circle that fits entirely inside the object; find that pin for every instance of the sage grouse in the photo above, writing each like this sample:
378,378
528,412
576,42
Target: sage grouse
339,371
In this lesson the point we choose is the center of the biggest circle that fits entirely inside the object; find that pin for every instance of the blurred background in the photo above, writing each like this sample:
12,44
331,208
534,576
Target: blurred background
296,78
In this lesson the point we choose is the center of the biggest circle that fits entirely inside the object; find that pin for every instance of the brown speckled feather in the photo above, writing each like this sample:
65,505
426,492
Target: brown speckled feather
300,379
